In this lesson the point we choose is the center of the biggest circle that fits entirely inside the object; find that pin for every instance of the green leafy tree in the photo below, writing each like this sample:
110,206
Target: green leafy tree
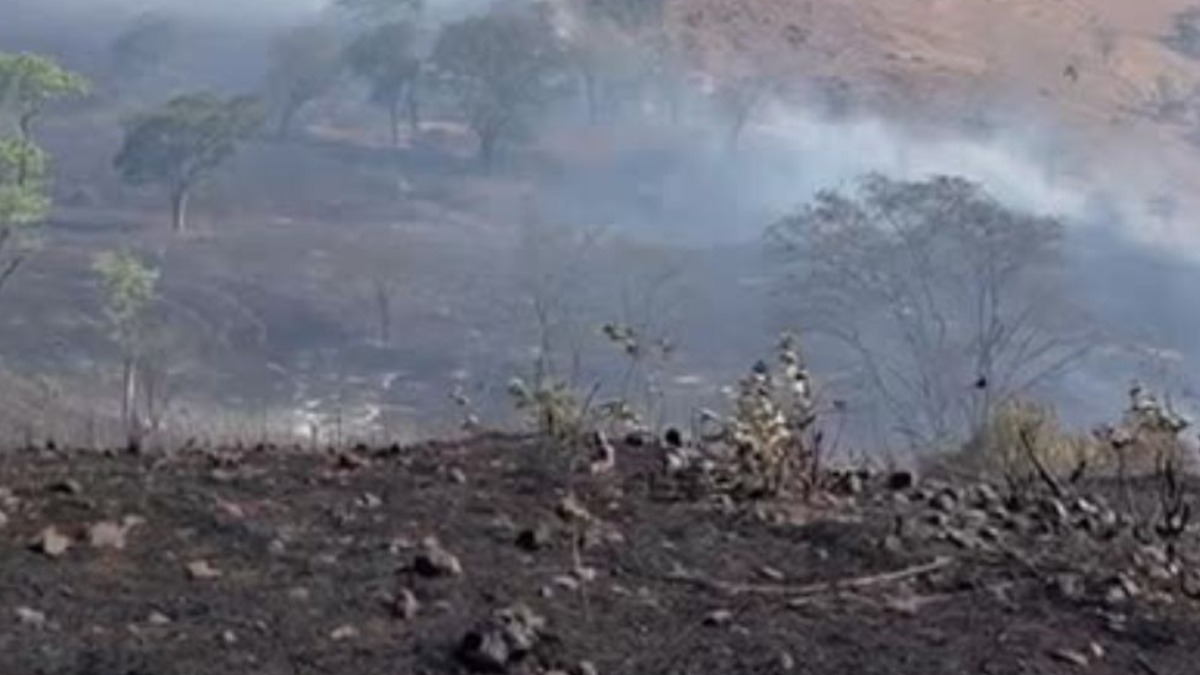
387,59
130,291
504,68
28,83
306,62
182,142
23,200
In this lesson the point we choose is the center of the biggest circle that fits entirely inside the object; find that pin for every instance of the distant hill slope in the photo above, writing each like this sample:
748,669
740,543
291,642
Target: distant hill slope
1100,70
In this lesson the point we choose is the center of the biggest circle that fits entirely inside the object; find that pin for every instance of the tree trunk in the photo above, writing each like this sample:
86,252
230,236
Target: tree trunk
383,303
413,106
25,129
394,121
129,400
179,208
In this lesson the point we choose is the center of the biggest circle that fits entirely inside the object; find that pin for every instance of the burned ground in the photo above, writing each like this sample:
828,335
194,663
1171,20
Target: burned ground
289,561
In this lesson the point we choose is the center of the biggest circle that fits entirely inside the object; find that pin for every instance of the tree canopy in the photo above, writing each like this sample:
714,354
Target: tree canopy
942,302
183,141
386,58
28,83
502,67
305,64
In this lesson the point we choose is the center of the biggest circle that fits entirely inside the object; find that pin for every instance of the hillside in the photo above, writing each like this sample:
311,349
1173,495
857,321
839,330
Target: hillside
1100,73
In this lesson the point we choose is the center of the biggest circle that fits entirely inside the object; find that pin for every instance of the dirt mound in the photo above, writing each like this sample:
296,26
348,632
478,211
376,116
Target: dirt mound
486,555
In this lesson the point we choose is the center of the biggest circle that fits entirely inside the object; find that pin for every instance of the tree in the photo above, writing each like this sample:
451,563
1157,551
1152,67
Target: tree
130,290
305,64
23,200
386,58
184,141
28,83
381,11
503,68
738,98
143,46
943,302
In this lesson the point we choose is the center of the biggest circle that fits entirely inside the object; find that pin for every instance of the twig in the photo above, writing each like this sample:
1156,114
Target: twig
801,592
1043,473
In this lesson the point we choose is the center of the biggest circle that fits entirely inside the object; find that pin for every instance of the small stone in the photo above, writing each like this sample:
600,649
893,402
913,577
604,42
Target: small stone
66,487
585,574
585,668
436,561
1070,656
1068,587
985,496
787,662
229,637
405,605
944,501
900,480
158,619
771,573
572,511
51,543
718,617
566,582
299,593
457,476
370,501
504,638
107,535
202,570
31,617
343,633
3,520
962,540
535,538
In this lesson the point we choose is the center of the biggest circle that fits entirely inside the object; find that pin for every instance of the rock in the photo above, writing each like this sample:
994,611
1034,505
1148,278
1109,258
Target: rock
299,594
405,605
108,535
343,633
585,574
604,458
566,582
1121,590
962,539
985,496
505,638
66,487
535,538
457,476
1068,587
201,570
771,573
1070,656
572,511
786,662
51,543
435,561
585,668
944,501
158,619
1055,511
974,518
718,617
30,617
370,501
900,480
3,520
229,637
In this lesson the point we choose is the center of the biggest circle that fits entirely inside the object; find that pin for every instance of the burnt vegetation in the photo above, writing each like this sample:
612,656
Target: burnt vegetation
248,269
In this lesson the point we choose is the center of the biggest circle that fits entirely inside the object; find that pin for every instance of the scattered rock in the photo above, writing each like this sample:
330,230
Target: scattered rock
3,520
435,561
505,638
1070,656
585,668
572,511
200,570
343,633
299,594
405,605
787,662
984,496
535,538
31,617
718,617
108,535
158,619
457,476
51,543
944,501
229,637
900,480
370,501
1068,587
771,573
66,487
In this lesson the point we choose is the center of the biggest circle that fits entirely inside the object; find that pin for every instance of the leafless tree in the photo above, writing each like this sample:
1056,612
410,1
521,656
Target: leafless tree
942,302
